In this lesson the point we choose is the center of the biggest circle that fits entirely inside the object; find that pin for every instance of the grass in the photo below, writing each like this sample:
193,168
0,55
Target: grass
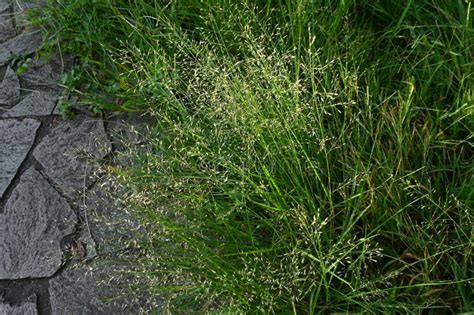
307,156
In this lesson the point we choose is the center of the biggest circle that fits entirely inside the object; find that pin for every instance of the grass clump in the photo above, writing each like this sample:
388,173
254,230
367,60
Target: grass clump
307,156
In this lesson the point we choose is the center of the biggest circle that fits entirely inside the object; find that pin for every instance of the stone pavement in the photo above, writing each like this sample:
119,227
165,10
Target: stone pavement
59,222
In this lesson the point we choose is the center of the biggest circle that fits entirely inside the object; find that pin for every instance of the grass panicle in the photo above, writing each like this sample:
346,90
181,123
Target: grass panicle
307,156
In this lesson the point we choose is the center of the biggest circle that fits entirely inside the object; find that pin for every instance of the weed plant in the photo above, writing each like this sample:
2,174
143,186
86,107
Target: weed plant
307,156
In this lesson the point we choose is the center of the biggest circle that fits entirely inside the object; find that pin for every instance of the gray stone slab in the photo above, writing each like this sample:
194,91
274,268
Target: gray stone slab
75,292
7,29
28,308
23,44
113,227
9,88
39,73
68,151
16,139
128,132
35,104
95,288
44,72
21,7
35,219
